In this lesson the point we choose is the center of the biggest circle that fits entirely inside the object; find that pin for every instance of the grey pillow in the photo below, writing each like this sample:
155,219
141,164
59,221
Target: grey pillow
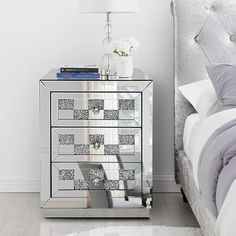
223,77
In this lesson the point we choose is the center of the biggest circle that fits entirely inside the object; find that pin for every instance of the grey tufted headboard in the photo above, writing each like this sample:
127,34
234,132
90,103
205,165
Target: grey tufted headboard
204,33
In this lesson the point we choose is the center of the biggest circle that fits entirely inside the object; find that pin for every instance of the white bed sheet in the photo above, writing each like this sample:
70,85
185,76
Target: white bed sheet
191,129
196,134
206,129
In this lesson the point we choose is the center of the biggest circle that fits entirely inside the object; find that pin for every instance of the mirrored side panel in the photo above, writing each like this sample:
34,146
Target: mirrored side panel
148,135
44,143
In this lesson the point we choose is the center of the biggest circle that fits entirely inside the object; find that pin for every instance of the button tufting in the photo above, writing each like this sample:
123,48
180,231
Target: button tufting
233,38
213,8
210,7
197,38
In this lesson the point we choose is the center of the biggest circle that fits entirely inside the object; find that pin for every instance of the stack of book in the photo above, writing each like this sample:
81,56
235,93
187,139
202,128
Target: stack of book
79,72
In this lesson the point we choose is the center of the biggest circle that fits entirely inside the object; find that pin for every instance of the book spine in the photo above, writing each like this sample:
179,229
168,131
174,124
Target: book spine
78,75
78,70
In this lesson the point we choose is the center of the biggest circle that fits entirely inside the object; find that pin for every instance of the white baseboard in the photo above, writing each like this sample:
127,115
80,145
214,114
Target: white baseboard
161,183
20,184
165,184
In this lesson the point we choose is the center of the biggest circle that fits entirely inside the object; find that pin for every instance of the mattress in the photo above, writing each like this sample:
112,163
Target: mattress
191,129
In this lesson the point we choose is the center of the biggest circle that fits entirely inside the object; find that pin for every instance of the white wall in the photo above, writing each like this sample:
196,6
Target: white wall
36,36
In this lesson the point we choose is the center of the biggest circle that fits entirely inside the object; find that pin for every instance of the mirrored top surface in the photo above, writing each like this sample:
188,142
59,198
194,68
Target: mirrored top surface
138,75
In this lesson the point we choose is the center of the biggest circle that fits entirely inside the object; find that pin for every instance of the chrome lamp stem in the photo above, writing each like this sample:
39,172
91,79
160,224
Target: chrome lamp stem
107,56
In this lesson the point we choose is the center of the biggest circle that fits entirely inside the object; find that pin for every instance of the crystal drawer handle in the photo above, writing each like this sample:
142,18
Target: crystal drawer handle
96,110
96,145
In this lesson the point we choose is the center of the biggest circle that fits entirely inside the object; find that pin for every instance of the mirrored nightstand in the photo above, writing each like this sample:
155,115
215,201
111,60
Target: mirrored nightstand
96,147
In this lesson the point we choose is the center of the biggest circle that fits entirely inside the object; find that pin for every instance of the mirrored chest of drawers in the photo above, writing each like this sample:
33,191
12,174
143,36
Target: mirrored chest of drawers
96,147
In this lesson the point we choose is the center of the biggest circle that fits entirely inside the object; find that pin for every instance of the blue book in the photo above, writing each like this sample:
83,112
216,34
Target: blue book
78,76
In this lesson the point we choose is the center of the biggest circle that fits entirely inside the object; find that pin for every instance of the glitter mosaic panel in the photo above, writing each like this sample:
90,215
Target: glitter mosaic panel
96,175
93,138
111,185
126,104
81,149
111,149
96,103
65,104
81,114
126,174
66,174
111,115
81,185
66,139
126,139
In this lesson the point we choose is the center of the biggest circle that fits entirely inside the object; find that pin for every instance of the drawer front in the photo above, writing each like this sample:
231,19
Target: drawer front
96,109
96,144
95,180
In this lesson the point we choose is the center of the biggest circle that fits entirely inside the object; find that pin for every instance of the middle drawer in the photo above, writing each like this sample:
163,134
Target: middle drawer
96,145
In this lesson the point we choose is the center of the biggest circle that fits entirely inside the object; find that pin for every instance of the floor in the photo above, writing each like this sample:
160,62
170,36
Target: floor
20,216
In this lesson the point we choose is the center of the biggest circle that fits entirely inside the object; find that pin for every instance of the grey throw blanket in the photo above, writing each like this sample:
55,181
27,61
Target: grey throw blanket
217,166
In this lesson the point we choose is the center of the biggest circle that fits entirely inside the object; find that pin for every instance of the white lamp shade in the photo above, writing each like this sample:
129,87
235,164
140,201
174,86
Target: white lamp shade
104,6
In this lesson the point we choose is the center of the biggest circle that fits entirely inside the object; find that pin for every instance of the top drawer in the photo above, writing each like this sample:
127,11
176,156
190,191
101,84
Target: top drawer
96,109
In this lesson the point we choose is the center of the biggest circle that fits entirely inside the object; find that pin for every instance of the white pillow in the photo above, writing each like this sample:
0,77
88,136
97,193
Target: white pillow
202,96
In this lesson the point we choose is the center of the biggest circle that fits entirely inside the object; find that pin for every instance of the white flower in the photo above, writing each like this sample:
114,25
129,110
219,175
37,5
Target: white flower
121,47
113,46
134,43
124,47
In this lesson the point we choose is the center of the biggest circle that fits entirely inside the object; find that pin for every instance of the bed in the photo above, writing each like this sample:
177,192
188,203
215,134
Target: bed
204,33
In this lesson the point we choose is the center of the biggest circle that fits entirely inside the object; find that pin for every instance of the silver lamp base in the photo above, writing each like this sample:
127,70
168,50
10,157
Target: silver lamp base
108,75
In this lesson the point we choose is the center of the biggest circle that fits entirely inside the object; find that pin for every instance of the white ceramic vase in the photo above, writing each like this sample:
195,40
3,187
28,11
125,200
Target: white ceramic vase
124,66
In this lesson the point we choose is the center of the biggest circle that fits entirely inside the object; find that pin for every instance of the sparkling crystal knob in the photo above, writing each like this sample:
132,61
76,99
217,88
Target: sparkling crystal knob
96,110
96,145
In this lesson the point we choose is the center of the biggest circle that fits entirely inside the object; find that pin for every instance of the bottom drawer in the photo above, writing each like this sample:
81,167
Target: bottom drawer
96,184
